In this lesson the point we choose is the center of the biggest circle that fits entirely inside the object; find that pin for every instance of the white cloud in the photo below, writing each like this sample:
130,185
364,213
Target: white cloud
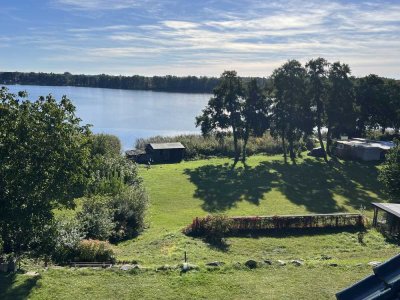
98,4
253,40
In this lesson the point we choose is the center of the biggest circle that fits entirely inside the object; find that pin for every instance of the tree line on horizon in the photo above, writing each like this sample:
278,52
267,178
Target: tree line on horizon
296,100
187,84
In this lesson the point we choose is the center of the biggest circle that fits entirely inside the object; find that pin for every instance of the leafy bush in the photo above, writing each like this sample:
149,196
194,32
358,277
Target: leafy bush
69,234
198,146
377,135
129,209
217,227
95,251
213,227
389,174
123,204
96,217
105,145
110,174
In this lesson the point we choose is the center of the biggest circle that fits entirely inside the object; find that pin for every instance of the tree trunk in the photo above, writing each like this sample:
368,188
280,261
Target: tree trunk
291,151
235,144
328,141
319,125
321,142
284,147
244,154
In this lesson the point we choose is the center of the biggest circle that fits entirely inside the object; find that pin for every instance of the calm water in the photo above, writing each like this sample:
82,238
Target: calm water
128,114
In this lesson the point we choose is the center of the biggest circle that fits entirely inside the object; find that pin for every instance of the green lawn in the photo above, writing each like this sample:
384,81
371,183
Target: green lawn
266,186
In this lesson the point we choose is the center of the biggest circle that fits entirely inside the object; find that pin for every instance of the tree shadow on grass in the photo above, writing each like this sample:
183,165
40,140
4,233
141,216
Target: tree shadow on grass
9,289
311,183
221,186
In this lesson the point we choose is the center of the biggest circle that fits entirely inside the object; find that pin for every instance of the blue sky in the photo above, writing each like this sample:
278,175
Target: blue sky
204,37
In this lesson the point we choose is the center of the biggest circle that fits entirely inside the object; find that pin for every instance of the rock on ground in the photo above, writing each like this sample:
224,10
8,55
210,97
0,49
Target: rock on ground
251,264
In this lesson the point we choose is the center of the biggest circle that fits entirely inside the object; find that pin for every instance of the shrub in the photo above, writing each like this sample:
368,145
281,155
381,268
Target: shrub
110,174
96,217
213,227
217,227
389,174
105,145
95,251
198,146
69,234
129,209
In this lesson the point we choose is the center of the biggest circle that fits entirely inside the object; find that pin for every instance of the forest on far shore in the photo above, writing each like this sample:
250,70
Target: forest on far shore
187,84
168,83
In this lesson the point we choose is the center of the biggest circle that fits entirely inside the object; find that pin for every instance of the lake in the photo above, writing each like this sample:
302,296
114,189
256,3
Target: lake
128,114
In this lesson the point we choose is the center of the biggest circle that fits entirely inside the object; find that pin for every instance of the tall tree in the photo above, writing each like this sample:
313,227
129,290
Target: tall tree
255,113
371,102
389,174
393,94
340,108
224,109
317,75
44,155
291,113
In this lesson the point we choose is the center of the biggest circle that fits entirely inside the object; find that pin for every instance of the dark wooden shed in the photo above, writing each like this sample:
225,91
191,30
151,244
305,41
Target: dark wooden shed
387,216
165,152
139,156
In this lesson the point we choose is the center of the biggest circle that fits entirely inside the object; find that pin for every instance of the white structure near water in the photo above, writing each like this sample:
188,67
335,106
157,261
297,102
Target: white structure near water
361,149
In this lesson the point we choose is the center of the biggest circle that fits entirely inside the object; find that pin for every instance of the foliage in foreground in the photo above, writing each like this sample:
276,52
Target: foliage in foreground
390,172
44,157
47,160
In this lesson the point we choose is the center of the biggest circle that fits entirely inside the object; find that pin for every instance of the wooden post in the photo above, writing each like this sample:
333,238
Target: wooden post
375,220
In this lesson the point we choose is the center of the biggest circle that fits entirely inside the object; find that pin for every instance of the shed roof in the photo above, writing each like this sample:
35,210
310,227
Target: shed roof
161,146
392,208
134,152
363,143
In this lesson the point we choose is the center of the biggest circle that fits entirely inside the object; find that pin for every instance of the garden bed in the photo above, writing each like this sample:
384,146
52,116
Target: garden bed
259,224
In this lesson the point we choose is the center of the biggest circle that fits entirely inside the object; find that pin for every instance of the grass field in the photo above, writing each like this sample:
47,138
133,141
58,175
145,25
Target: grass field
266,186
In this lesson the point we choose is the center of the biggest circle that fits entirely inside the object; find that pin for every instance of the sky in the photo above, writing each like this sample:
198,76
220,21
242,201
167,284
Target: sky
197,37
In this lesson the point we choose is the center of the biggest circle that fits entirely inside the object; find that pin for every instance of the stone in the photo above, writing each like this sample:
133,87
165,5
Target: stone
268,262
333,265
251,264
185,267
215,264
281,262
126,267
32,273
297,263
374,263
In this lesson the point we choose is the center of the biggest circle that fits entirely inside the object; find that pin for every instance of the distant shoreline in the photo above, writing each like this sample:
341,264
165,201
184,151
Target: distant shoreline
106,88
174,84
